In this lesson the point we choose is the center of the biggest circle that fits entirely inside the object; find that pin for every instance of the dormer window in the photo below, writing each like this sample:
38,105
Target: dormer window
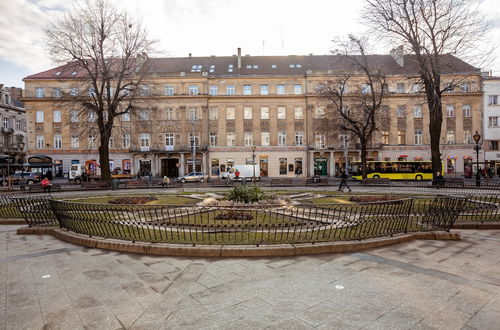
212,68
58,73
273,66
196,68
249,66
230,68
292,66
74,73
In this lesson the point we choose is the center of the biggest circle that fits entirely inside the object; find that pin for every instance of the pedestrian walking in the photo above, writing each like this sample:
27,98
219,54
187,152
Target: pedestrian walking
343,182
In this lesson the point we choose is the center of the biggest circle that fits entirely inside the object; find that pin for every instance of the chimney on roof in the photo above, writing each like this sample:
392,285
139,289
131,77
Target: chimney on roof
189,54
398,55
239,58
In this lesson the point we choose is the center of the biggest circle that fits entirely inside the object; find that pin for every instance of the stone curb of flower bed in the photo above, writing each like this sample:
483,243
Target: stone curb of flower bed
477,225
217,251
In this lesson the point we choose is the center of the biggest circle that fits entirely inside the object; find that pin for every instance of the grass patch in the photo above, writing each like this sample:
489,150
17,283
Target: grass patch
161,200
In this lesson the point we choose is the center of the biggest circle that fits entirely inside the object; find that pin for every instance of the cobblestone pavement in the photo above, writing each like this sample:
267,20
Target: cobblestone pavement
49,284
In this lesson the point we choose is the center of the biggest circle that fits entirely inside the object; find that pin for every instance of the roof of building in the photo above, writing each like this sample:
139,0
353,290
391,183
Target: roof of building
268,65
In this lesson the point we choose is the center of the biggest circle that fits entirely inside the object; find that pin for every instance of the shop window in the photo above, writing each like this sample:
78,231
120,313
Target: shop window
283,166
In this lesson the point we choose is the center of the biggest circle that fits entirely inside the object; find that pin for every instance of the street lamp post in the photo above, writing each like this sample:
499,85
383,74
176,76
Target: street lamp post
477,137
253,163
346,154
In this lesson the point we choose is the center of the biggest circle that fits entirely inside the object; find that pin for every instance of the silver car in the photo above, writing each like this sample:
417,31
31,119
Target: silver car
193,176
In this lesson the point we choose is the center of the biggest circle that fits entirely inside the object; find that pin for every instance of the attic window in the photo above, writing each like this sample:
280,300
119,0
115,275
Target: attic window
273,66
298,65
74,73
58,73
229,68
196,68
249,66
292,66
212,68
255,66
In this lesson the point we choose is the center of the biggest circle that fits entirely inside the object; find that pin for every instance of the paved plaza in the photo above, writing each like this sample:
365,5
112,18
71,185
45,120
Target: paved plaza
49,284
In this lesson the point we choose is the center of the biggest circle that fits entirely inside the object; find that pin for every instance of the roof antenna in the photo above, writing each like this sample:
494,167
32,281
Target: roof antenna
263,47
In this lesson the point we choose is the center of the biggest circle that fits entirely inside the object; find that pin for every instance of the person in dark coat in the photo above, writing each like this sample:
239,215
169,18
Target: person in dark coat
343,182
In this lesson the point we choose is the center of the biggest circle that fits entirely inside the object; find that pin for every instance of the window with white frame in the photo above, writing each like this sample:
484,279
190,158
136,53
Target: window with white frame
91,91
230,68
231,139
467,110
365,89
144,140
144,90
39,116
385,137
450,137
6,122
19,125
193,89
56,92
265,139
196,68
401,111
144,115
194,113
126,117
126,140
280,89
319,112
465,87
299,138
169,90
92,117
493,121
214,90
91,141
57,116
298,113
248,138
213,113
492,99
264,89
73,91
282,138
400,88
73,116
297,89
247,112
417,111
169,139
416,88
230,113
194,140
39,92
264,113
111,143
450,110
467,137
213,139
319,141
75,142
247,89
418,137
169,114
230,90
57,141
401,137
40,142
281,113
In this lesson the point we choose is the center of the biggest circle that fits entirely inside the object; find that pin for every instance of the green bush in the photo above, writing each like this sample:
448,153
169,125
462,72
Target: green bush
246,194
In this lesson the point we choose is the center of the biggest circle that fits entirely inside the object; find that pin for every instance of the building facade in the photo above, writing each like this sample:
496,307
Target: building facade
491,124
13,129
214,112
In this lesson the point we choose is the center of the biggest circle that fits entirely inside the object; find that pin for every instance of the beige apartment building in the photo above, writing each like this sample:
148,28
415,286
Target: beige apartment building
236,108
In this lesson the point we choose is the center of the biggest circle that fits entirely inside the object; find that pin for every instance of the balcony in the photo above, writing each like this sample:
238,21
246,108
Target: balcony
7,130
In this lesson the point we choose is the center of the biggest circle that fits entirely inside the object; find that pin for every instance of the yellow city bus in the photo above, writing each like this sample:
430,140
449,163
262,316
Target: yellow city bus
394,170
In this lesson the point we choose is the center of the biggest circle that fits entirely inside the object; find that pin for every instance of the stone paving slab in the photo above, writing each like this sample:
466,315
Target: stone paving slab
49,284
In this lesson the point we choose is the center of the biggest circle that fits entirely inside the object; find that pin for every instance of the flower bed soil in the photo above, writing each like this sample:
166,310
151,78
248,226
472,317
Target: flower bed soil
133,200
371,199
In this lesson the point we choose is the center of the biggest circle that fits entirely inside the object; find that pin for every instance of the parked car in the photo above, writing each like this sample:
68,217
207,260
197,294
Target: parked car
193,176
24,177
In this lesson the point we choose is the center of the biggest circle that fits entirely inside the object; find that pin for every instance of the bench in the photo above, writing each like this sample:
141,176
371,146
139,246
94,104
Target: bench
37,187
282,182
321,182
378,181
94,185
136,184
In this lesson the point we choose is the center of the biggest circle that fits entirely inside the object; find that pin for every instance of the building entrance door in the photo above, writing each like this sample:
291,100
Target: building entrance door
170,167
320,166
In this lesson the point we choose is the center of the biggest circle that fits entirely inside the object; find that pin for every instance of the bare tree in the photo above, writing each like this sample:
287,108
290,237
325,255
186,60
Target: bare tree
110,48
356,111
430,28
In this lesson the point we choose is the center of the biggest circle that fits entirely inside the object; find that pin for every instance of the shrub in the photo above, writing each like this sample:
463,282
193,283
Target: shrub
246,194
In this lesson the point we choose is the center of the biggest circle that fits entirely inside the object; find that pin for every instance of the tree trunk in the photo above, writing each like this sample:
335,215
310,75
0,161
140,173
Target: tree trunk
104,161
363,158
435,122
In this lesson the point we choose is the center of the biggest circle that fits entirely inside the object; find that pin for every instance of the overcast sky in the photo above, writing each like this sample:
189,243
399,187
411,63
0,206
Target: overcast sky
200,27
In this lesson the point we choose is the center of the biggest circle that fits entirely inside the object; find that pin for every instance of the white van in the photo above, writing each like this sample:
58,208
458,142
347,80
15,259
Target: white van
246,171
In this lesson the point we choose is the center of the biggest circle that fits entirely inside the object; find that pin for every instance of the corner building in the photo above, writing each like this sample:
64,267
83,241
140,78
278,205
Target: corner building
236,107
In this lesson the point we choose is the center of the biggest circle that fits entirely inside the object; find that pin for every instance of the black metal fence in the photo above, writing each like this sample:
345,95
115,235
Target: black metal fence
271,224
